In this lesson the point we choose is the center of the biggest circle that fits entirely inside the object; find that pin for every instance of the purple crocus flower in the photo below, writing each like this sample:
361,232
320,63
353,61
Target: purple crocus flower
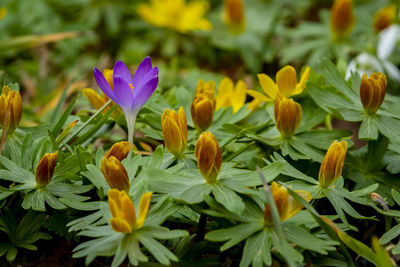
130,93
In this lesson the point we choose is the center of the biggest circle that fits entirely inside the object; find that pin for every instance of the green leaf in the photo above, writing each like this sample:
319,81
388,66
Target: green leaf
228,198
63,118
390,235
382,257
233,235
161,253
257,250
390,127
368,129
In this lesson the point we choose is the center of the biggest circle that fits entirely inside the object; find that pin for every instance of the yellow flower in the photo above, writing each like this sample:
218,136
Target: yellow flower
202,108
123,211
174,128
383,18
342,19
230,96
286,84
209,157
10,109
96,100
373,91
112,168
176,14
332,164
287,206
287,116
234,15
45,169
3,12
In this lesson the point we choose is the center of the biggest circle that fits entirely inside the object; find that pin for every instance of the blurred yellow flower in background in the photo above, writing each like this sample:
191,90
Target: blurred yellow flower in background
286,84
383,18
342,19
3,12
234,16
176,14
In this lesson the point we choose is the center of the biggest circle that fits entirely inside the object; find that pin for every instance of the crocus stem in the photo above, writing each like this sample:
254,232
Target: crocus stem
130,121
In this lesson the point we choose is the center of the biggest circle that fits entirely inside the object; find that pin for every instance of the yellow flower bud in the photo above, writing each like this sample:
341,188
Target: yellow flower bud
287,116
373,91
287,206
234,15
3,12
119,150
45,169
95,99
202,112
383,18
174,128
332,164
115,173
10,109
209,157
123,211
342,19
108,75
112,168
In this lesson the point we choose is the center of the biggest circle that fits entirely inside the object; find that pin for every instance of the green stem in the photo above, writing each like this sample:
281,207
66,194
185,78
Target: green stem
130,121
328,122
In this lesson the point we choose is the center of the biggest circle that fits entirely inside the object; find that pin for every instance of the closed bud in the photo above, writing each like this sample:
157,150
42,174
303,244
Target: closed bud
174,128
332,164
234,15
202,112
287,206
287,116
115,173
119,150
373,91
10,109
342,19
45,169
112,168
209,157
383,18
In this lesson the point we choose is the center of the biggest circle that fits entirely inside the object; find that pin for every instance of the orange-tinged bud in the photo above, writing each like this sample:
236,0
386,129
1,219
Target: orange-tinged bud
332,164
174,128
287,116
45,169
342,19
123,211
209,157
94,98
115,173
287,206
10,109
119,150
373,91
383,18
202,112
234,15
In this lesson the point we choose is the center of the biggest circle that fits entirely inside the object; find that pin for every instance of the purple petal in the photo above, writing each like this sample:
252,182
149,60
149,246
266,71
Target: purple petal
123,92
141,72
144,93
120,69
103,84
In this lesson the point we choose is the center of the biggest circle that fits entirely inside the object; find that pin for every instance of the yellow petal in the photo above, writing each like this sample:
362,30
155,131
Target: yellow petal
302,84
257,95
119,225
144,206
225,89
239,96
294,206
286,80
268,85
128,209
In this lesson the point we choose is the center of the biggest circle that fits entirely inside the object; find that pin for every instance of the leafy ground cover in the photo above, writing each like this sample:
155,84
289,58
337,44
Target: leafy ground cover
194,132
